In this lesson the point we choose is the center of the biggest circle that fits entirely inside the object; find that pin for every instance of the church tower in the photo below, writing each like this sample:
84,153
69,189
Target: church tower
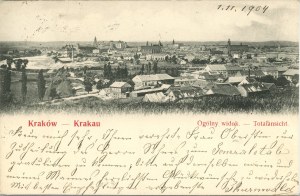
95,44
229,47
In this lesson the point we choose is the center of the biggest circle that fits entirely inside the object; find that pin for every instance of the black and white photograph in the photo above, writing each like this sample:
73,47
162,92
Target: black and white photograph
149,57
153,97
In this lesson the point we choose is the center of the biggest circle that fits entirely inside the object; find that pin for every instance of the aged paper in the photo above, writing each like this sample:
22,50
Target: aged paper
172,154
152,97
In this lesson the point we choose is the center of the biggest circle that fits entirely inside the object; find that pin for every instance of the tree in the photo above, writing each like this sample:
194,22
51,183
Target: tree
105,71
148,68
52,93
155,68
18,64
109,71
25,62
267,79
142,69
99,85
9,62
41,83
167,58
271,60
125,72
173,59
84,69
281,81
88,86
136,56
295,79
7,80
138,61
118,72
6,96
174,72
24,84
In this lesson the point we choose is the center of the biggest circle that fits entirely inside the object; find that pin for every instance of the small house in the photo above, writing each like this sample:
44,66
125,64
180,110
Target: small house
175,94
120,89
252,89
152,80
155,97
224,89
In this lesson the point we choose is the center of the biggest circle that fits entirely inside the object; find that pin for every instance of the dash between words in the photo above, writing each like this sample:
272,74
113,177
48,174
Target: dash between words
76,123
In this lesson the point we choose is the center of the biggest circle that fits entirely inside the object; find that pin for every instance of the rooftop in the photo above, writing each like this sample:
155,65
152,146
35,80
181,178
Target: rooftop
154,77
119,84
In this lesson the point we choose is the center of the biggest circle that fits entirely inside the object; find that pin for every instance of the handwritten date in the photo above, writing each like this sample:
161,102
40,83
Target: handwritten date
247,9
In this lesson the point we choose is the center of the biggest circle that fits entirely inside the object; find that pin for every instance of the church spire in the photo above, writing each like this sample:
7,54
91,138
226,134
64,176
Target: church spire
229,47
95,42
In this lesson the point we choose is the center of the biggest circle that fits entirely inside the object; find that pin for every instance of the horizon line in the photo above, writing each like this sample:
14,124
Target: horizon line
152,41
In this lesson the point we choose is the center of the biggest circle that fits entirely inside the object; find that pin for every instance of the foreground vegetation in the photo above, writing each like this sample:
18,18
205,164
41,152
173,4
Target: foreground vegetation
281,101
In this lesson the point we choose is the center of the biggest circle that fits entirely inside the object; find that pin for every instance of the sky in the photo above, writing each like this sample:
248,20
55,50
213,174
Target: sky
148,20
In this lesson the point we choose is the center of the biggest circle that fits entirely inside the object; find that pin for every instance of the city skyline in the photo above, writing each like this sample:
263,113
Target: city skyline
133,21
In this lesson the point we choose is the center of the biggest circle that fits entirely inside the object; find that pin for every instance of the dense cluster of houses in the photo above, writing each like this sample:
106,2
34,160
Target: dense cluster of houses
217,80
188,56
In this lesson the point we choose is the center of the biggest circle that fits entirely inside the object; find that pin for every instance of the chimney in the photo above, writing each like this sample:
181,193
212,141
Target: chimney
249,72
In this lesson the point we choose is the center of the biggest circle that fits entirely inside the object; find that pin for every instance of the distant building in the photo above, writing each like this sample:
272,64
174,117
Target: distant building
251,89
190,57
235,80
96,51
155,97
269,86
208,77
223,89
174,45
270,70
203,84
225,70
120,89
184,81
120,45
237,49
281,70
176,94
86,49
152,49
69,51
215,52
252,74
152,80
290,73
139,93
157,57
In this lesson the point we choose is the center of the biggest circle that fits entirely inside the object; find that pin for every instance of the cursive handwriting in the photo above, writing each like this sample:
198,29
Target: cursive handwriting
224,157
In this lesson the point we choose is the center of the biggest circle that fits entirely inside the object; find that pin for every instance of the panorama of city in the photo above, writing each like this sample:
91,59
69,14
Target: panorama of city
162,76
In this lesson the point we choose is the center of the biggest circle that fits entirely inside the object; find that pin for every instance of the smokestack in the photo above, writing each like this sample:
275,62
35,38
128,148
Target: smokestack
72,53
249,72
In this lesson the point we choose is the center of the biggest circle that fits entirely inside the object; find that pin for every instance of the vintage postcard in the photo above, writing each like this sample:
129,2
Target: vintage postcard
149,97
